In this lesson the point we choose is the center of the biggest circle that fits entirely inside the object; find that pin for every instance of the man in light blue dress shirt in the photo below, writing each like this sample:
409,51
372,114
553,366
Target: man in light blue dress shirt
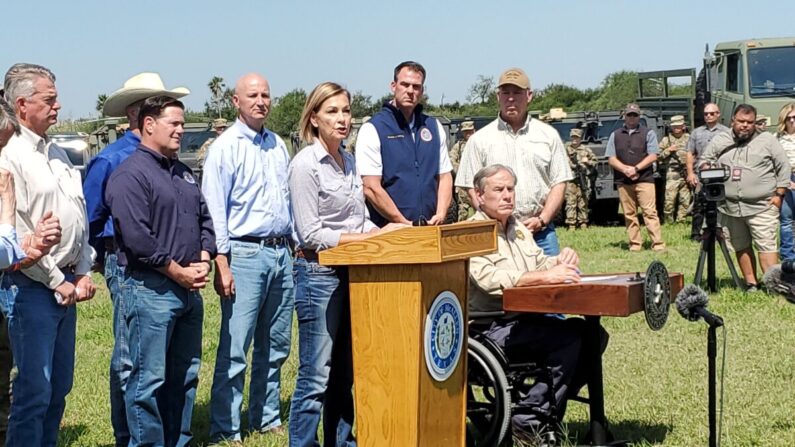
245,186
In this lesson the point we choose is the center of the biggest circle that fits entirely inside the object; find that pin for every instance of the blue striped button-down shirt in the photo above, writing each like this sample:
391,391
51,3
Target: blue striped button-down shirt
245,185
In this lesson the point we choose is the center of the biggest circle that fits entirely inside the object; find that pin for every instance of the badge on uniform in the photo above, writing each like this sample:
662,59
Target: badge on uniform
189,178
737,174
425,135
519,235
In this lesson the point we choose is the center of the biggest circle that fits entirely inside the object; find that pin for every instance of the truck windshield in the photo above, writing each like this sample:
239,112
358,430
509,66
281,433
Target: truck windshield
772,71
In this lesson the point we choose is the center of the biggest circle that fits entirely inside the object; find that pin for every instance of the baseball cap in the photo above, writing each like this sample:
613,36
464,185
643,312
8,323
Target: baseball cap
514,76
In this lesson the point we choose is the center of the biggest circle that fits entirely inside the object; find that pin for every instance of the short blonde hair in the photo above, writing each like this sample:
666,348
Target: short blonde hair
782,117
319,95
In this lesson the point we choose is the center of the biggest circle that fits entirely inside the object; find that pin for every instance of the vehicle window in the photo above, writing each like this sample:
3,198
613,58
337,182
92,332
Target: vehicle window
772,71
192,141
734,73
608,126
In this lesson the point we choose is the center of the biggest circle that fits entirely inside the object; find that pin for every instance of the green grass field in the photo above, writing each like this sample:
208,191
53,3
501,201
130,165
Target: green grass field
655,382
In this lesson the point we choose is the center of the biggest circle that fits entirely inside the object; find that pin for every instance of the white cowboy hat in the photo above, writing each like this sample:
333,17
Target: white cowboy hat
138,87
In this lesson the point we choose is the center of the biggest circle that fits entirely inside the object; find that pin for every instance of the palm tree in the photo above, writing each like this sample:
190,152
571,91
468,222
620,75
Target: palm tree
101,102
217,86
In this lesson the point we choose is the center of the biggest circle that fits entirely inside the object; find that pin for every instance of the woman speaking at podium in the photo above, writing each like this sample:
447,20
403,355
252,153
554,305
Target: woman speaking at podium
328,210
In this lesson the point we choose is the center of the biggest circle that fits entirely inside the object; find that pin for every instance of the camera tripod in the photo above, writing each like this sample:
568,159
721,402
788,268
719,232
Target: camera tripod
713,233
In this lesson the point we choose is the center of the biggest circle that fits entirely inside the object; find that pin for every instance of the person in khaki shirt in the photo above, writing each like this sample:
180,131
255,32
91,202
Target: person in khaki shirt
758,183
556,342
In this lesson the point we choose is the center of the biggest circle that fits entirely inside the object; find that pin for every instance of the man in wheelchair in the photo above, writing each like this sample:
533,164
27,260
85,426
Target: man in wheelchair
549,340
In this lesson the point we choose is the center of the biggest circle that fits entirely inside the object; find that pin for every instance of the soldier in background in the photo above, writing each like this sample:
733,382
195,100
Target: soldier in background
761,123
350,143
461,198
582,161
219,125
673,155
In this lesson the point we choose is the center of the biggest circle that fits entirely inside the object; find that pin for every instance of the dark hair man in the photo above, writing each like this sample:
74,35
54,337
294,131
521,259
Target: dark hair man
165,241
401,154
759,181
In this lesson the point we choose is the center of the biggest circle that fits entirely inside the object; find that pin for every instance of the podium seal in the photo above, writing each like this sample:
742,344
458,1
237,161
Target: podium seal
444,336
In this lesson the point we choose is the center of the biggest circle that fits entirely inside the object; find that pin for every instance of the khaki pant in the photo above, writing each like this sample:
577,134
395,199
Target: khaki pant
640,195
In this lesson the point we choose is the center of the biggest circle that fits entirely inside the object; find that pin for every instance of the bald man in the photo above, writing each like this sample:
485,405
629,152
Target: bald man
245,185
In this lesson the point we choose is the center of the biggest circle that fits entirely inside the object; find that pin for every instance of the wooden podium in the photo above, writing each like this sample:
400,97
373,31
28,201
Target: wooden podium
408,290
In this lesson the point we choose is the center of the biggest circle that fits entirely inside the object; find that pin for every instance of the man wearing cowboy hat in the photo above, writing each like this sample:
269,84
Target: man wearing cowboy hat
673,154
219,126
461,198
533,147
123,102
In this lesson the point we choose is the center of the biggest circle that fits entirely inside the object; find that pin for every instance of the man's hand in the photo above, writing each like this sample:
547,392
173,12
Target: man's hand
85,288
68,293
692,180
437,219
562,273
775,201
533,224
193,277
223,282
47,232
8,198
568,256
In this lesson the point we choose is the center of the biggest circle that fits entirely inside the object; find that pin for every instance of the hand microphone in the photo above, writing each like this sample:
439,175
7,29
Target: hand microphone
691,302
781,279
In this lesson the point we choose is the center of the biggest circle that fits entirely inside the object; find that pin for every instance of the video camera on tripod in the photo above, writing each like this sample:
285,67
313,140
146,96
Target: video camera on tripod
713,186
713,180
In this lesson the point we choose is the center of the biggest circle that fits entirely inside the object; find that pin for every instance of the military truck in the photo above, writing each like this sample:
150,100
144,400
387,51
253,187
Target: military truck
195,135
597,127
77,148
760,72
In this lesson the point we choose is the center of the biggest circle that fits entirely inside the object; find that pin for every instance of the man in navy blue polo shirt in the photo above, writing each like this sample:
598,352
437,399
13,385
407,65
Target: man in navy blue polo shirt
165,239
402,157
123,102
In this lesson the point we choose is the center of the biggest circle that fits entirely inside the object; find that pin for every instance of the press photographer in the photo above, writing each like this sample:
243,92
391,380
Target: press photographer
757,182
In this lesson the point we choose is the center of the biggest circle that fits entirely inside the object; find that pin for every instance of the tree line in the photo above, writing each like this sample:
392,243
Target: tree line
613,93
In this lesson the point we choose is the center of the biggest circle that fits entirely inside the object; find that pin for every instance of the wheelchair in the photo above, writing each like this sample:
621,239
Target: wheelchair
494,385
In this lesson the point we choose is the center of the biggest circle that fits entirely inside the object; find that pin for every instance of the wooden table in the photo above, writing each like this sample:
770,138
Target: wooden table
619,296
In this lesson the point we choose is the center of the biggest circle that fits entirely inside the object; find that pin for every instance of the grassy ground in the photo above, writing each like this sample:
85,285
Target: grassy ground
655,382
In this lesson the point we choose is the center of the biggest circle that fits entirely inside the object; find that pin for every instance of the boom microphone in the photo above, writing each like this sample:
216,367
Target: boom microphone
691,302
781,279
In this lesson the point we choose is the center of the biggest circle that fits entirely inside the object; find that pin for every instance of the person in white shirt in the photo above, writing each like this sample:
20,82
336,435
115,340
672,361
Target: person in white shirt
42,318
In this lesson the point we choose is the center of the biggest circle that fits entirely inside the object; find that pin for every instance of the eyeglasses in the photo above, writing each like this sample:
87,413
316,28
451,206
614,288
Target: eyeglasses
631,114
790,118
711,113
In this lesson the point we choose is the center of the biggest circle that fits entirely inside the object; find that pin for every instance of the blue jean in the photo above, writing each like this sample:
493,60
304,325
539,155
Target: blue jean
547,240
164,322
42,334
325,370
120,363
787,251
261,311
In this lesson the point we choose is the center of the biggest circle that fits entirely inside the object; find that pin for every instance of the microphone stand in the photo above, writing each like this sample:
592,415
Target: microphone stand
712,353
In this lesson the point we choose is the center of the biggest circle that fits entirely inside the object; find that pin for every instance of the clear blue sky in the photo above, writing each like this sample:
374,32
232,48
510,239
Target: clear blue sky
94,45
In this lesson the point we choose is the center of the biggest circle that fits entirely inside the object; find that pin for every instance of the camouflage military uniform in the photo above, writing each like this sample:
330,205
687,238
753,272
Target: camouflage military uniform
202,154
675,179
460,195
582,161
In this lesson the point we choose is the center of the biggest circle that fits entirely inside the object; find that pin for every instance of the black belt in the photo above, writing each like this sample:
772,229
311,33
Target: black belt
269,241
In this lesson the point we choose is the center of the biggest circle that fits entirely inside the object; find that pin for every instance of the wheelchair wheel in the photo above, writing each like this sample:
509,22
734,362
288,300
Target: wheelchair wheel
488,398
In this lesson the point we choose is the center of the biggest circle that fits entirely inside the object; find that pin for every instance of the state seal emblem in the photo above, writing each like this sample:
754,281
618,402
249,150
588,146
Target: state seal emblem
444,336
